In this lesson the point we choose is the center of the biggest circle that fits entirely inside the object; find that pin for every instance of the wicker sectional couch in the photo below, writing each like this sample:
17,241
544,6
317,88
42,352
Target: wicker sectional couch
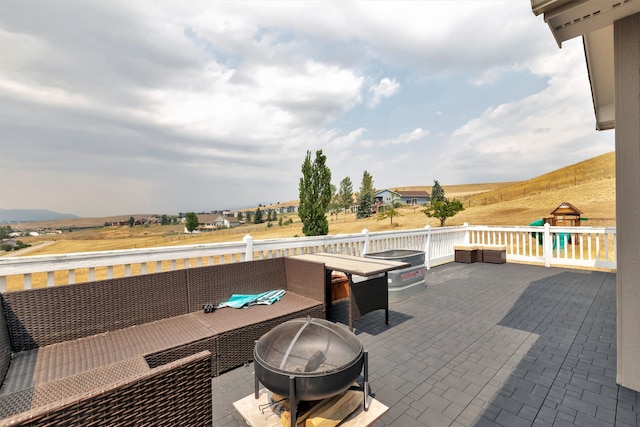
140,349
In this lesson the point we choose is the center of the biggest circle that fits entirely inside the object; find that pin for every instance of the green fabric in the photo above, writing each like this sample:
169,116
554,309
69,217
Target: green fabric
246,300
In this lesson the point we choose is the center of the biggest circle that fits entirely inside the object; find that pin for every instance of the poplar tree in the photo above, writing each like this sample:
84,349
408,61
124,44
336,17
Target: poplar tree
345,194
315,195
366,196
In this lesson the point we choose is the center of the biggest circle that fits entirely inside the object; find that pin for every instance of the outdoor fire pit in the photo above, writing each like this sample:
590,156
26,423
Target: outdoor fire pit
309,359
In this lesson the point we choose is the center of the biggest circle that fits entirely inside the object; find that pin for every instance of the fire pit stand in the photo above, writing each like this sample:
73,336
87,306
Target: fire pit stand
293,400
310,359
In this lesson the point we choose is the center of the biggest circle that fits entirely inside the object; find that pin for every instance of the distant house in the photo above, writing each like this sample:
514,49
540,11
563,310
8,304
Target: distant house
9,243
409,198
226,221
287,209
230,221
207,222
218,222
212,222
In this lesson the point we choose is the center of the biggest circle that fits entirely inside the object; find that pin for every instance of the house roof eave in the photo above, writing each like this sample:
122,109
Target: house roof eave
598,51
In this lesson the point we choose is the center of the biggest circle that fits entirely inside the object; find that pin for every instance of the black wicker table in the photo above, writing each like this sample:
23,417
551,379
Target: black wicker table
371,293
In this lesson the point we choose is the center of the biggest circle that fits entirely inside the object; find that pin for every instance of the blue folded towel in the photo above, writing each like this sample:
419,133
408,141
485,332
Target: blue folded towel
246,300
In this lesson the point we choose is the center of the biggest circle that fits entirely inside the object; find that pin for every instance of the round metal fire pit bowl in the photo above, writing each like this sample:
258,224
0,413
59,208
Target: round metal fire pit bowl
321,358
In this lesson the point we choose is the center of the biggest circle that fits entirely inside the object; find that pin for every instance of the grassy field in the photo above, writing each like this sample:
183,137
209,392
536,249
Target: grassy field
588,185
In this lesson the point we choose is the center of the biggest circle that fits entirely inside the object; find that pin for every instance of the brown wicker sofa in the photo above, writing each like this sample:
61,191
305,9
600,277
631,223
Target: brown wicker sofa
140,350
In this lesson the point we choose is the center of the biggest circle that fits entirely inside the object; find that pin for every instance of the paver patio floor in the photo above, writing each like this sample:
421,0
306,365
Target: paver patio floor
488,345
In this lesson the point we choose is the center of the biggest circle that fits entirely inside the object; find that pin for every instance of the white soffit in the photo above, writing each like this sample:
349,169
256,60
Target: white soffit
598,49
576,18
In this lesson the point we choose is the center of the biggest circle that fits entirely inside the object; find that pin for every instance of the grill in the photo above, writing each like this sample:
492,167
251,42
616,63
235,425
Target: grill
309,359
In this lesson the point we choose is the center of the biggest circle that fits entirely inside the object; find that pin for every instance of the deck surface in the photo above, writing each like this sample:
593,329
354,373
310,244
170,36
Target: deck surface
487,345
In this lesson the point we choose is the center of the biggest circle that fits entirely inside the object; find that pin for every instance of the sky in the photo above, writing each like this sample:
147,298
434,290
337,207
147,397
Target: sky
120,107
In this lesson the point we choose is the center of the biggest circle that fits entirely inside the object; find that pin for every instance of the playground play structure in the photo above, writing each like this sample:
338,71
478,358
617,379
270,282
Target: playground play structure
565,215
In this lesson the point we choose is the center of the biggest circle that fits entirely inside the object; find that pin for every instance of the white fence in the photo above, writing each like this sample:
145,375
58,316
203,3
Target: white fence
589,247
578,246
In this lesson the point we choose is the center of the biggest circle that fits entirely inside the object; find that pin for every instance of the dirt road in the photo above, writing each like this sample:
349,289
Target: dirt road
25,251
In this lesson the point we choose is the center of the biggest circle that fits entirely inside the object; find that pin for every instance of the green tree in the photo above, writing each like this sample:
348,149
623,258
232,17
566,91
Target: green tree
248,217
131,221
334,206
437,192
192,222
165,220
257,217
366,196
315,195
443,209
345,194
390,210
5,231
240,216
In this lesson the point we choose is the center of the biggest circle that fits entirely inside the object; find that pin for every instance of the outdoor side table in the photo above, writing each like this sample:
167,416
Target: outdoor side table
466,254
367,295
494,254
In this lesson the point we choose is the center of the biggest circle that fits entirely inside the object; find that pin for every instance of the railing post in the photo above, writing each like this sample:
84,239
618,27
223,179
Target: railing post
365,245
427,248
248,254
466,233
547,245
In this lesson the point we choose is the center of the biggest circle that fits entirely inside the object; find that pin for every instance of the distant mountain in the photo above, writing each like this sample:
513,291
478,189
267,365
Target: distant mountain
28,215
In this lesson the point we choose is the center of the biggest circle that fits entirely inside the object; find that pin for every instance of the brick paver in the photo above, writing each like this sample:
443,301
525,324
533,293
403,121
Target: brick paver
488,345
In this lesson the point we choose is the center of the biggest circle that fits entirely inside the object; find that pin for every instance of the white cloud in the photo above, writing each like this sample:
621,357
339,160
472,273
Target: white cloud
203,105
547,128
406,138
386,88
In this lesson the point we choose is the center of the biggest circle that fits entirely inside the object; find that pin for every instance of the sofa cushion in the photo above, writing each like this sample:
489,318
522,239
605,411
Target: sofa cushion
216,283
86,354
41,317
227,319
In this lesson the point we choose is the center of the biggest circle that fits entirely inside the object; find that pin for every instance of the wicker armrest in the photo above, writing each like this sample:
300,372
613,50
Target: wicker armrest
178,393
305,278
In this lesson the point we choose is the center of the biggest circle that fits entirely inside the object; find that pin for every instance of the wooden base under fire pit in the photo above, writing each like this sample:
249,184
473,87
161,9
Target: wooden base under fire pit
249,409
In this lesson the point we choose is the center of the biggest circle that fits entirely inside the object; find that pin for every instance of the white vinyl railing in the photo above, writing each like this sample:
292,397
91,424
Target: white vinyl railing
575,246
592,247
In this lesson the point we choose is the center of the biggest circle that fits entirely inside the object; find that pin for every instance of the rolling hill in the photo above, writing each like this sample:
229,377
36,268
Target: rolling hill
588,185
27,215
